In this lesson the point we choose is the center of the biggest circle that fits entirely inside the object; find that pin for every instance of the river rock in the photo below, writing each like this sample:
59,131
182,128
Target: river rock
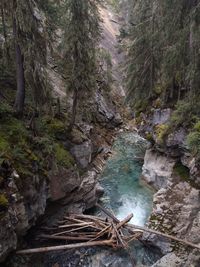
193,165
86,195
157,169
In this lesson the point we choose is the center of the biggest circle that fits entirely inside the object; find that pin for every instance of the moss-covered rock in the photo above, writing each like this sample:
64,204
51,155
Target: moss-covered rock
77,136
63,157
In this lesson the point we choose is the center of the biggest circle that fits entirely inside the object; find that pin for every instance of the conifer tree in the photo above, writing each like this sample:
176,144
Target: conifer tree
30,42
82,32
163,55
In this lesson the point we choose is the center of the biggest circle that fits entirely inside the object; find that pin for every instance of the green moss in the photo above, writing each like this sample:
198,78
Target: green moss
63,157
56,126
5,109
149,137
197,126
161,132
182,171
3,201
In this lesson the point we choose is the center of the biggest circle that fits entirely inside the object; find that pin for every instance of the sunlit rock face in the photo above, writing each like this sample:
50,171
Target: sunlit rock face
157,169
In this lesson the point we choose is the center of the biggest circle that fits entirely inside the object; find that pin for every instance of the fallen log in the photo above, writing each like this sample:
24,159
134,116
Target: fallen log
73,238
65,247
107,212
75,225
144,229
125,221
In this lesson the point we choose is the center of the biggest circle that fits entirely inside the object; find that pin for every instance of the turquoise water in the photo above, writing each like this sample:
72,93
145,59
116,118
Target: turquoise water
124,192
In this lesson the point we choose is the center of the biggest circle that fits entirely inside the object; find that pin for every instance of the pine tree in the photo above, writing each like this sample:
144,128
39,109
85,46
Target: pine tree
20,95
82,32
163,57
141,58
30,42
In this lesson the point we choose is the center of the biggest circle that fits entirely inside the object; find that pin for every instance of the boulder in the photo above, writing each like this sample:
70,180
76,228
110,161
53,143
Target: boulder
193,165
62,182
157,169
106,111
161,116
82,153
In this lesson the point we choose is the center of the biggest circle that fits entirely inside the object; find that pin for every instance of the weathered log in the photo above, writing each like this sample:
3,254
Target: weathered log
144,229
70,231
65,247
76,225
73,238
126,220
108,213
100,234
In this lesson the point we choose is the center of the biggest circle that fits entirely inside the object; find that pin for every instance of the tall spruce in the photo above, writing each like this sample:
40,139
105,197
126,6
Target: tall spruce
30,43
163,53
82,33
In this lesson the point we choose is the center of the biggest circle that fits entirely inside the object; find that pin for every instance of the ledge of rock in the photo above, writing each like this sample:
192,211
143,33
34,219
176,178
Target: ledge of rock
157,169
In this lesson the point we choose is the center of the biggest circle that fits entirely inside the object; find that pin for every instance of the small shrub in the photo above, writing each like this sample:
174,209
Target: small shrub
4,145
161,131
158,89
56,126
5,109
186,113
149,137
193,139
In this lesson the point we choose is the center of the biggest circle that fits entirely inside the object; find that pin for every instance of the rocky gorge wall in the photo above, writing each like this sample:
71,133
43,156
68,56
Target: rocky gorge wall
174,173
24,199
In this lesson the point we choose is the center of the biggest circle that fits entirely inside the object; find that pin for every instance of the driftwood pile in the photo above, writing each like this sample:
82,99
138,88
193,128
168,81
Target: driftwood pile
78,230
86,228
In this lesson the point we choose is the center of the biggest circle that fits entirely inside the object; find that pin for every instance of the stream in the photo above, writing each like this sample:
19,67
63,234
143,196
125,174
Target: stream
124,194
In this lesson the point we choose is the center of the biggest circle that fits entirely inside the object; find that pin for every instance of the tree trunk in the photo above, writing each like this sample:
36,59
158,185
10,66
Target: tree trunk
5,32
74,109
20,95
